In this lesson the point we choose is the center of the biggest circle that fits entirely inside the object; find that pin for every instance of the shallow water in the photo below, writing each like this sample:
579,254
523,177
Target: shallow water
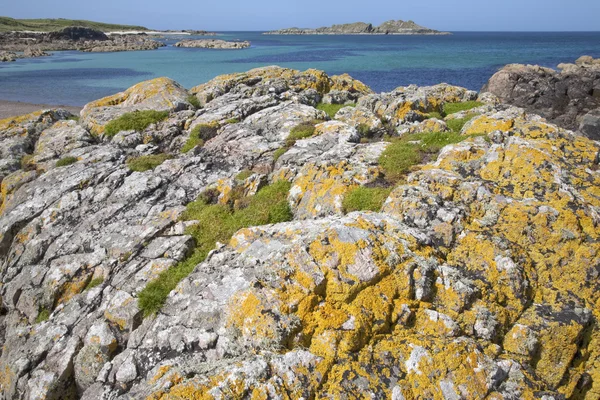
382,62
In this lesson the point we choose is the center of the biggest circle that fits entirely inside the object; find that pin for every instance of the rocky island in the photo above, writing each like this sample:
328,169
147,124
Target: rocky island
287,234
213,44
391,27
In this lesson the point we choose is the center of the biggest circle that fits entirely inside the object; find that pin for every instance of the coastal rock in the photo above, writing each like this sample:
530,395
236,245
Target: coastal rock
34,52
160,94
77,33
213,44
478,277
590,124
120,43
7,56
412,103
563,97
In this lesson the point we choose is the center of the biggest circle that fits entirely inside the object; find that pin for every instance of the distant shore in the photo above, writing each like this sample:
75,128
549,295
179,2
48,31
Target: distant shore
14,108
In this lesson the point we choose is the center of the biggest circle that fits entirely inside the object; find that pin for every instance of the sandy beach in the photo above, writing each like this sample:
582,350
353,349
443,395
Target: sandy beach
14,108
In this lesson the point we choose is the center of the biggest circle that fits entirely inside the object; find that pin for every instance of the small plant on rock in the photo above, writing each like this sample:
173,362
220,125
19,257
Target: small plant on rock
66,161
365,199
199,135
145,163
193,100
137,121
332,109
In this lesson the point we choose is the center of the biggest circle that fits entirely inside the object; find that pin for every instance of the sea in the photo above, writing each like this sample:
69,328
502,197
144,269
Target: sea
466,59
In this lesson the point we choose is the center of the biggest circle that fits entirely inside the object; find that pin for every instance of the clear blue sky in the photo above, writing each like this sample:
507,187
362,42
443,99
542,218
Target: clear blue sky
458,15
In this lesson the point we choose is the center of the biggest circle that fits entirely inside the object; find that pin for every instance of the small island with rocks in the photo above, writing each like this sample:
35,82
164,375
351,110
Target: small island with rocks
213,44
391,27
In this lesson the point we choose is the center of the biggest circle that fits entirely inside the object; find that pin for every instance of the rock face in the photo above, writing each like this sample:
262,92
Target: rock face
392,27
74,38
563,97
77,33
477,279
213,44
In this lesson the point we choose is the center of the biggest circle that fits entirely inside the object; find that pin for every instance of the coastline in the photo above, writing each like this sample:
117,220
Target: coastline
15,108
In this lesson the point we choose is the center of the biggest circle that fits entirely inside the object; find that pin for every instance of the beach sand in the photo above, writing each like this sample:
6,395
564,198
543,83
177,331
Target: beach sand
14,108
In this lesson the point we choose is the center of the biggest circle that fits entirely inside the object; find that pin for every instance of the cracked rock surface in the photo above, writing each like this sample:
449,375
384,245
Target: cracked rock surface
479,277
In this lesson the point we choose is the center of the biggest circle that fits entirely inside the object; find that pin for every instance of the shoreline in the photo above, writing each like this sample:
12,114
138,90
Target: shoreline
10,108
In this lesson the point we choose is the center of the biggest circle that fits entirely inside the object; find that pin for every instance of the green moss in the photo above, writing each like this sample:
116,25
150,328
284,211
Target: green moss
199,135
301,131
216,223
73,118
232,121
93,283
408,151
66,161
456,125
365,199
332,109
137,121
193,100
243,175
279,152
452,108
435,115
43,315
145,163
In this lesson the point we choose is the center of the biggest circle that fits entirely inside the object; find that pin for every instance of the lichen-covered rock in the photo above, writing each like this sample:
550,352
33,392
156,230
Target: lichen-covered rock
158,94
361,119
412,103
478,278
429,125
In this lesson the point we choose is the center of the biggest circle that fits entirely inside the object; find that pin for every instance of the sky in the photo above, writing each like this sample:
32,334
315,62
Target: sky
241,15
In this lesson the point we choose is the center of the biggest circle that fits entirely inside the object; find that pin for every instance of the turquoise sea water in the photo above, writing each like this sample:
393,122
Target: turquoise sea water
383,62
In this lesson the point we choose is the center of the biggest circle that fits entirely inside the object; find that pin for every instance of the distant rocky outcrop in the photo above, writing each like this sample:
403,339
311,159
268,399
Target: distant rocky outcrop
476,277
74,38
213,44
562,96
8,56
77,33
391,27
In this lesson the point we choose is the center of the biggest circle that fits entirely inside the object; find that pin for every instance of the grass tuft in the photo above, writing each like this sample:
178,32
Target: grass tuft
199,135
43,315
243,175
232,121
93,283
137,121
457,124
411,150
279,152
452,108
332,109
193,100
216,223
66,161
145,163
365,199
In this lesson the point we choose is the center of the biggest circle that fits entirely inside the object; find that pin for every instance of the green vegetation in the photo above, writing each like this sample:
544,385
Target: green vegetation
193,100
145,163
332,109
243,175
456,125
93,283
435,115
199,135
279,152
73,118
43,315
408,151
45,25
136,121
66,161
232,121
216,223
452,108
365,199
301,131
